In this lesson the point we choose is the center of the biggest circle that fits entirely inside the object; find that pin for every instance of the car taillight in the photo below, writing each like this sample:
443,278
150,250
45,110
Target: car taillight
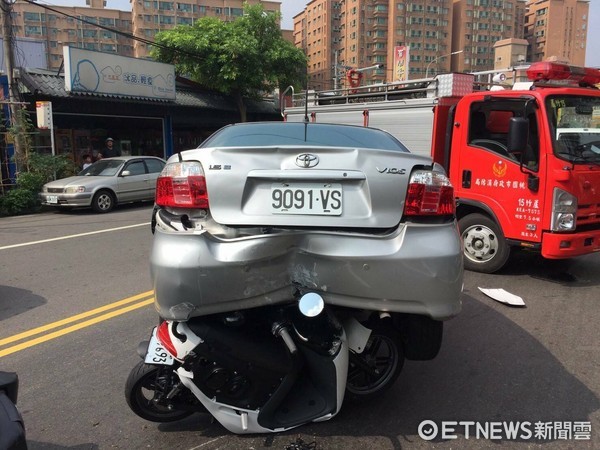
164,337
429,194
182,185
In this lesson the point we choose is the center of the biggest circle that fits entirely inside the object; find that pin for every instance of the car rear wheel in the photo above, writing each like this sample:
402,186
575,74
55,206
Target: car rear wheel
484,246
103,201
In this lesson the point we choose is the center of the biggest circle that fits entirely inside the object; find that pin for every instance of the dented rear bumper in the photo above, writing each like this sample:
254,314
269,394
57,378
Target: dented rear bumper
415,269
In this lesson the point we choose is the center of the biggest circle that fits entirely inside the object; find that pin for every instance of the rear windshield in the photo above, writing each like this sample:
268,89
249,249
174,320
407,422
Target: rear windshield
280,133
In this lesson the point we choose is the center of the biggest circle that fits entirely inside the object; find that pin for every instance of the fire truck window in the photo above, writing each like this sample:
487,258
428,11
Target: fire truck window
478,128
531,157
480,134
498,122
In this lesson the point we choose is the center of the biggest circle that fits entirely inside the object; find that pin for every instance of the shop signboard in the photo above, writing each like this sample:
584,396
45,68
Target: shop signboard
44,115
94,72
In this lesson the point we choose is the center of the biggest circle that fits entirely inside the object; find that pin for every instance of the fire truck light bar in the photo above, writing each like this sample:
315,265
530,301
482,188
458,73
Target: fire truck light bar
546,71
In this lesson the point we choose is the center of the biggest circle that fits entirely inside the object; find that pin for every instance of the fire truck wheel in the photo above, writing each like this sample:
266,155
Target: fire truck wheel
484,246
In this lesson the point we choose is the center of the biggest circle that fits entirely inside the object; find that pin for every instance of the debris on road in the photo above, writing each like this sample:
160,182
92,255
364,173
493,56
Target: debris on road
502,296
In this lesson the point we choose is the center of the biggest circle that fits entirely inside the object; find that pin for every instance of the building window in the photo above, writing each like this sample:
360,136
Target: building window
35,17
33,30
107,22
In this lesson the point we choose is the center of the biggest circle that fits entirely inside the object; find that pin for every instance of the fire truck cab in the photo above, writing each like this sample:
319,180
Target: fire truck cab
525,164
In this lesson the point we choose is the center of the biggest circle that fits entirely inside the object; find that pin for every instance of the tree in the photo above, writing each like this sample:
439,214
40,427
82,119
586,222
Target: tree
245,58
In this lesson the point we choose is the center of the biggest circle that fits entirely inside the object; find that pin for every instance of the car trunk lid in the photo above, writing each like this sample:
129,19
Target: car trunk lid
306,186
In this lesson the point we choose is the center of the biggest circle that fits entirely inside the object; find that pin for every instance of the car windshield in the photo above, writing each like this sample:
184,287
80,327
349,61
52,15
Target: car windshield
103,168
279,133
575,124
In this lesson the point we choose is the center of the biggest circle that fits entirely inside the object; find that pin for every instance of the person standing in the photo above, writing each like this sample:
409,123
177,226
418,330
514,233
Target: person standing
87,161
110,151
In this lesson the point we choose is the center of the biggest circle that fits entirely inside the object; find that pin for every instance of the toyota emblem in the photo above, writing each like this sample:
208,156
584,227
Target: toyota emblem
307,160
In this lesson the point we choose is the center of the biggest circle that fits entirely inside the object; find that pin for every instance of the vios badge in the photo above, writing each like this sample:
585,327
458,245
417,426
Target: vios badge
307,160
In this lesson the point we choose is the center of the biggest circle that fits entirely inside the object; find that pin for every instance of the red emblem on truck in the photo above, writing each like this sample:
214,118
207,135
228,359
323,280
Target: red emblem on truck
499,169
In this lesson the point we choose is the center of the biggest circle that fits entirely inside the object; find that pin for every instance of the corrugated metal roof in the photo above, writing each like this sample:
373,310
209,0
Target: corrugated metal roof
50,84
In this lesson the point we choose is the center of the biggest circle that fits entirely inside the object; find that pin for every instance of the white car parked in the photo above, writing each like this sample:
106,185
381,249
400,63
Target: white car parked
106,183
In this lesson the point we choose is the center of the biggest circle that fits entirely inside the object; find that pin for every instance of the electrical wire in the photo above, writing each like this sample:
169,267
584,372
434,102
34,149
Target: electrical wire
116,31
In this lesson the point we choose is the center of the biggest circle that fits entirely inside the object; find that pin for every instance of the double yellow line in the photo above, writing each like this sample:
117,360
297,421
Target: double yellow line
115,309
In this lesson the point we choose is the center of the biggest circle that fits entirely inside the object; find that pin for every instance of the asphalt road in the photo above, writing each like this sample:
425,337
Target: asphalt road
81,282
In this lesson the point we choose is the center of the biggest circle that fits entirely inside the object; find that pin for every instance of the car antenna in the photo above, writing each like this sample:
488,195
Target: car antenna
306,97
306,105
180,157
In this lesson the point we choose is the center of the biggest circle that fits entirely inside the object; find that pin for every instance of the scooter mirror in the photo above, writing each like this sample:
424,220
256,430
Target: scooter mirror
311,304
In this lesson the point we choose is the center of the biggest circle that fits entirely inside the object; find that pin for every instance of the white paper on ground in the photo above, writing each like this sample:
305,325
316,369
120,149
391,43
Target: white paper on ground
500,295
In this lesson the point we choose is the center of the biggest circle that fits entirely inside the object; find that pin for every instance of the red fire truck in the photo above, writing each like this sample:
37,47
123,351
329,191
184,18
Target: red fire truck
524,162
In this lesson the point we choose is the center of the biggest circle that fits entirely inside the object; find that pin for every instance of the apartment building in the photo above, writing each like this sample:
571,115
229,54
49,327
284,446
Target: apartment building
425,28
362,34
478,25
151,16
557,28
59,25
440,35
341,34
319,35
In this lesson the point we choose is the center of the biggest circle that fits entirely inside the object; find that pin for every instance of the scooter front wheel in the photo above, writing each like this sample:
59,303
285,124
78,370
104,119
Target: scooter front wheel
376,369
144,388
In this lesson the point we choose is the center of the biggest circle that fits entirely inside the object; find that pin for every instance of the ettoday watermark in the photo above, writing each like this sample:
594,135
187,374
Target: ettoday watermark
513,430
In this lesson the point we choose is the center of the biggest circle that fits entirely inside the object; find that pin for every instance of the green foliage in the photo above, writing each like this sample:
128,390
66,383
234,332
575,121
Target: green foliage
245,58
18,201
23,198
35,169
46,166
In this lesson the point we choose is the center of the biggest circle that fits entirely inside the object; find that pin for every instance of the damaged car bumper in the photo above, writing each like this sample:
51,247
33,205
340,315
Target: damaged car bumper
415,269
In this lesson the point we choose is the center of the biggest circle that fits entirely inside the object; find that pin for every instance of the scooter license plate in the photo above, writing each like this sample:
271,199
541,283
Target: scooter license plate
156,353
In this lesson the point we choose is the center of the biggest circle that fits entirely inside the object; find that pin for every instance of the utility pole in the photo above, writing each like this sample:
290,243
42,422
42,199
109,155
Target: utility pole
13,92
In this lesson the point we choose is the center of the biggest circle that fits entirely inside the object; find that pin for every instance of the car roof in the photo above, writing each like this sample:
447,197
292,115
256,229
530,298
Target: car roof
128,158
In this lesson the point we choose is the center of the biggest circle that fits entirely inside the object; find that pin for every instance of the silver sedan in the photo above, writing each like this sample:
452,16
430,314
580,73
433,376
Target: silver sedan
262,209
106,183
